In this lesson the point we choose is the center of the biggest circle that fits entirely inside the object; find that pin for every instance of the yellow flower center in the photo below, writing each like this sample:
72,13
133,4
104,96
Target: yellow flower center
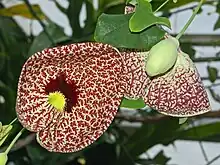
57,100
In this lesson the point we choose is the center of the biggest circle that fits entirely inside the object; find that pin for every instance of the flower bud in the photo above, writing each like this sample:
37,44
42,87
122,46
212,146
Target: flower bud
162,56
3,158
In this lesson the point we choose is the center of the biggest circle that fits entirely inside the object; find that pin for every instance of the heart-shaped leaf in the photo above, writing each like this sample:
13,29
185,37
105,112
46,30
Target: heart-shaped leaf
114,30
144,17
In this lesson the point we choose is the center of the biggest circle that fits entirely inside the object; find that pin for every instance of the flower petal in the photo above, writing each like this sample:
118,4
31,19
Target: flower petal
134,75
72,132
179,92
32,108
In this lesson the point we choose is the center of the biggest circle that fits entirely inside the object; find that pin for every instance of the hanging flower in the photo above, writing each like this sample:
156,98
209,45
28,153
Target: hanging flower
69,95
179,92
175,92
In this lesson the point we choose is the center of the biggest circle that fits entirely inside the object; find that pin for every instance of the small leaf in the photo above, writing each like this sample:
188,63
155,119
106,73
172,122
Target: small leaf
5,130
217,24
144,17
22,10
160,158
188,48
213,73
133,104
205,132
114,30
60,7
182,120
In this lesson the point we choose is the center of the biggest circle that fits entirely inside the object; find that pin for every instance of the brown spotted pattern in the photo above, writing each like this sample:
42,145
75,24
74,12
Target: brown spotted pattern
95,68
179,92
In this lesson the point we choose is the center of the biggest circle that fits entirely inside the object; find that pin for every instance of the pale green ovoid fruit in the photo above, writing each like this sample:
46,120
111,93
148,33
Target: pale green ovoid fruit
3,158
162,56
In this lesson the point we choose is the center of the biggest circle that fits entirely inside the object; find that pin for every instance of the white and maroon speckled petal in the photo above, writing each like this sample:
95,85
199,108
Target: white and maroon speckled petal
95,69
75,131
180,92
32,108
134,74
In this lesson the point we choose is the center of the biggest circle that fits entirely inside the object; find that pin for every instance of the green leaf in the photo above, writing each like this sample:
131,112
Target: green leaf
73,14
160,158
213,73
217,24
42,41
60,7
2,60
133,104
182,120
14,45
8,106
90,21
104,4
162,132
218,8
114,30
144,17
188,48
22,10
132,2
202,132
4,132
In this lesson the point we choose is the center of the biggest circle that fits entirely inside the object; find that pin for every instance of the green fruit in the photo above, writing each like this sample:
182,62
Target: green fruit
162,56
3,158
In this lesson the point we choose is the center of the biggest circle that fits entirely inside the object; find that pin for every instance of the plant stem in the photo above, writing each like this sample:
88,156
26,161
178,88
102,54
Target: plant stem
161,6
12,122
40,22
14,140
190,19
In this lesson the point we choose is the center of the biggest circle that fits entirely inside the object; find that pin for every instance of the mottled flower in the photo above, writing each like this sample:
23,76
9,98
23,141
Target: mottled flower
179,92
69,95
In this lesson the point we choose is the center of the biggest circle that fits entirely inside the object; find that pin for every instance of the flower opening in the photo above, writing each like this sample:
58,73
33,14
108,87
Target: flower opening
62,95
